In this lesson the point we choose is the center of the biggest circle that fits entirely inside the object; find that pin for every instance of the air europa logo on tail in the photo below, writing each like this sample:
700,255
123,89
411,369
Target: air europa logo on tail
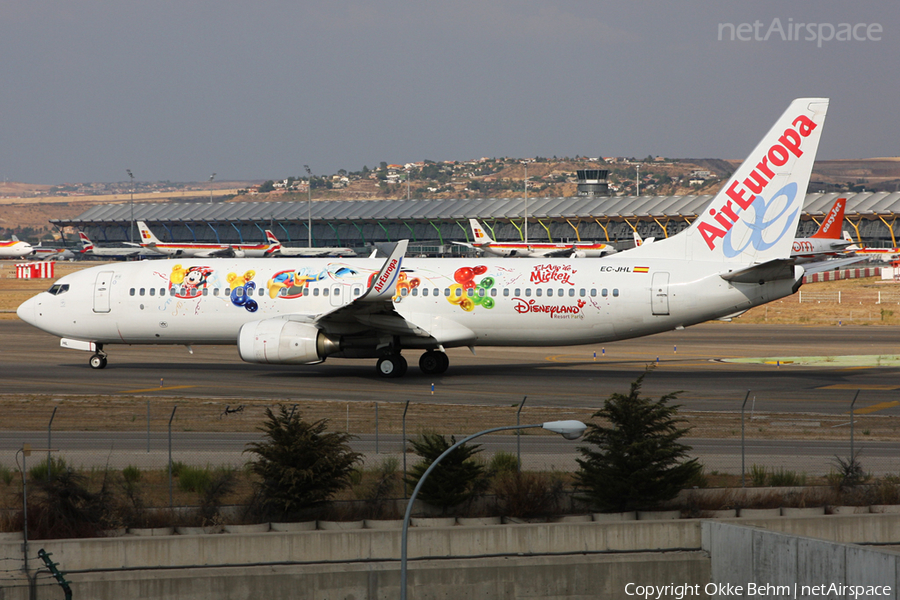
742,194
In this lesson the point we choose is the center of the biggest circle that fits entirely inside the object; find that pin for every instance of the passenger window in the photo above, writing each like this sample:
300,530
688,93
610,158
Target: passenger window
262,292
604,293
458,292
205,291
505,291
325,292
404,291
215,291
142,291
549,292
152,291
481,292
239,292
316,292
571,292
447,292
436,292
538,292
593,292
415,292
356,291
528,292
131,292
424,292
172,291
305,291
518,292
470,292
582,292
227,291
616,292
494,292
162,291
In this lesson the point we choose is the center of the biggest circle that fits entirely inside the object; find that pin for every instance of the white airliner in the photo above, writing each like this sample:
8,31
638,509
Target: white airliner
89,248
484,243
15,249
734,256
308,252
205,249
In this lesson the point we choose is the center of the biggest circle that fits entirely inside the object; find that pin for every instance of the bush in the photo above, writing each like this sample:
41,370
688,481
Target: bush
300,467
758,475
528,495
194,479
131,474
6,474
634,460
784,478
503,463
455,480
376,488
56,466
64,508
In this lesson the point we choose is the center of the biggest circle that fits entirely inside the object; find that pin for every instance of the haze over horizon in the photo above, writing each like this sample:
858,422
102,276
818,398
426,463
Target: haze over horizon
177,91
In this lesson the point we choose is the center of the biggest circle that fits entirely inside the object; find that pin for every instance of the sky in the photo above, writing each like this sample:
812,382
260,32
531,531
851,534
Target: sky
176,90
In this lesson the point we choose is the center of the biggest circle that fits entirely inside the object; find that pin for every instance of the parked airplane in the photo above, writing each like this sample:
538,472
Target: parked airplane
484,243
15,249
733,257
89,248
825,242
308,252
207,250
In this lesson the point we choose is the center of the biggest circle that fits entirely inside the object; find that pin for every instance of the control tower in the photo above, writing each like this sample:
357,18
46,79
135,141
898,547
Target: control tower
592,182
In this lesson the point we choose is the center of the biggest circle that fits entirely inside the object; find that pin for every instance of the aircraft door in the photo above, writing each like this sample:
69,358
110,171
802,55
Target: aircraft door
659,293
101,291
337,296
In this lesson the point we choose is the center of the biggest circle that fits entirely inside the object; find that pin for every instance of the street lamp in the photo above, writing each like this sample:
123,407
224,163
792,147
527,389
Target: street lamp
526,201
131,227
571,430
308,207
211,177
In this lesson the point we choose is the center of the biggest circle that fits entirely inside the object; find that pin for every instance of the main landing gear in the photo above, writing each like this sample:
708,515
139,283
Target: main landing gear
393,365
98,360
433,362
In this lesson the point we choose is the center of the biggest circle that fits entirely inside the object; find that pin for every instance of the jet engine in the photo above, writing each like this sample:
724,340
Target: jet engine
280,341
579,254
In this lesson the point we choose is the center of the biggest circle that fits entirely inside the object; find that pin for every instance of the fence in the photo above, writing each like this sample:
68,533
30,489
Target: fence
165,440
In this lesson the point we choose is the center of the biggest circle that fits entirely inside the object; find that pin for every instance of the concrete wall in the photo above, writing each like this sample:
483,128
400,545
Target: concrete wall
742,557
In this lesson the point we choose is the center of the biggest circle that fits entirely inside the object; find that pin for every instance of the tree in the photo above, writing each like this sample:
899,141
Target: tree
455,479
299,465
634,460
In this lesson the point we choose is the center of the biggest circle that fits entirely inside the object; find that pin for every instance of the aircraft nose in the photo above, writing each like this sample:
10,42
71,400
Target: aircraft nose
26,311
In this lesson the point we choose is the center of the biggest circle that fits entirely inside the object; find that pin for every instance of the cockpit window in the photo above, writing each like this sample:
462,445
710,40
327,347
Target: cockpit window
58,288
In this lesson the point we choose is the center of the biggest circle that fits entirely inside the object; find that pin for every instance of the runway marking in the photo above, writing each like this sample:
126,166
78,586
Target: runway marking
876,407
854,386
158,389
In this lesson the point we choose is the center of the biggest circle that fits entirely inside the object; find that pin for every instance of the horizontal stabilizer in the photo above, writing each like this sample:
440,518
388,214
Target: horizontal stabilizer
828,265
779,268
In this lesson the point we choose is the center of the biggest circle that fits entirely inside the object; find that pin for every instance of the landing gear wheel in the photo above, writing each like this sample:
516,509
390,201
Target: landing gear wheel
98,361
433,362
393,365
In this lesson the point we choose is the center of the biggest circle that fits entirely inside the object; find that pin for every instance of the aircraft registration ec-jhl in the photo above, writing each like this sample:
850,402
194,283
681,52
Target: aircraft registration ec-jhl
734,256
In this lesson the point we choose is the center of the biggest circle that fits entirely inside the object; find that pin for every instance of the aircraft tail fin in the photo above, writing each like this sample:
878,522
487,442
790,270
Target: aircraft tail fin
754,217
270,238
831,226
147,237
848,238
478,233
86,244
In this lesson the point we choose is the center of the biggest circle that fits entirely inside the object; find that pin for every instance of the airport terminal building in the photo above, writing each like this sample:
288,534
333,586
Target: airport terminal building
432,225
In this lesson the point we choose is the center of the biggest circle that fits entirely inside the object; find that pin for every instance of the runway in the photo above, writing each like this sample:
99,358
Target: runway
33,363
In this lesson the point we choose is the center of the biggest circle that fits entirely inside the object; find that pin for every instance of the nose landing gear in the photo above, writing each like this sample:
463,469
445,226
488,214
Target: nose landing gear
98,360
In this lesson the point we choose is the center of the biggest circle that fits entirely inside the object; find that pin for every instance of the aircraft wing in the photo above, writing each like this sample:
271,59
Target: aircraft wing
375,308
834,263
227,252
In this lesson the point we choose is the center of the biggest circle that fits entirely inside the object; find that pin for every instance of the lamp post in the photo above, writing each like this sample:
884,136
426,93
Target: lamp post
131,227
526,201
308,207
637,179
571,430
211,177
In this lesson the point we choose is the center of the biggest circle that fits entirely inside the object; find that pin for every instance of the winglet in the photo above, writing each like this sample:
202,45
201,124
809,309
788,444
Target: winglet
382,286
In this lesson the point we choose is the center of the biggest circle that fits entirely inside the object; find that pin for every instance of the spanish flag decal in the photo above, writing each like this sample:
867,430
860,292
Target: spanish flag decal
641,270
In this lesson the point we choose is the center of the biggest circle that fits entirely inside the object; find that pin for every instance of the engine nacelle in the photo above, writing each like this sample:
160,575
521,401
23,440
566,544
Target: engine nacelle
279,341
579,254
